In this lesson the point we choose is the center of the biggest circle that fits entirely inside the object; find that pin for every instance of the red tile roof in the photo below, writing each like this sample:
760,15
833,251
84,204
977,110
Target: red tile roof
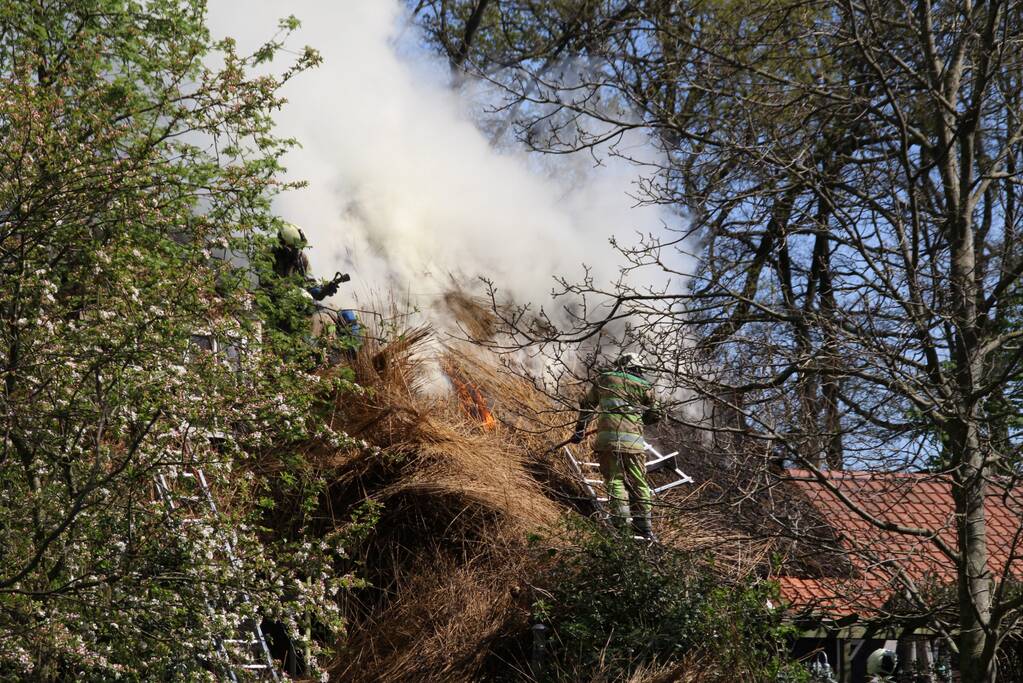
817,596
891,563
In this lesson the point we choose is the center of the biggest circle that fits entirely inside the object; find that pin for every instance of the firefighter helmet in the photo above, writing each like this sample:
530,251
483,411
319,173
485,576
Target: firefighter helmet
630,359
291,235
882,662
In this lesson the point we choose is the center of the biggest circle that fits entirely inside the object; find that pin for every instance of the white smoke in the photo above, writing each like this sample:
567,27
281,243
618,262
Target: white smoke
405,191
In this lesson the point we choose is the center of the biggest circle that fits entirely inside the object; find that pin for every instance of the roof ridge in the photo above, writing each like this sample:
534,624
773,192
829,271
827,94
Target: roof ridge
799,474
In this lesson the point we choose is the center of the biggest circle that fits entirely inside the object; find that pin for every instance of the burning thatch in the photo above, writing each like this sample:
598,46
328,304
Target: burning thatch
473,401
464,476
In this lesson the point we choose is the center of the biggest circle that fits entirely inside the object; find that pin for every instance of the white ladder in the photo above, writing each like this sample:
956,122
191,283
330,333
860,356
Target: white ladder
245,656
593,482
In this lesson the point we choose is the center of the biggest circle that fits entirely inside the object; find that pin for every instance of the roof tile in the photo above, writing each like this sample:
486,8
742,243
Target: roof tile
886,562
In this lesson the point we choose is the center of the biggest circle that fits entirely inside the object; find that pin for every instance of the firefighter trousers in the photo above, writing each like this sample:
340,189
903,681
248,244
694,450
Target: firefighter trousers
628,492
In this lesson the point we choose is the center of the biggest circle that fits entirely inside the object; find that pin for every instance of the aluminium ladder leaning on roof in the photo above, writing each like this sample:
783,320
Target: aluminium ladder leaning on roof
593,484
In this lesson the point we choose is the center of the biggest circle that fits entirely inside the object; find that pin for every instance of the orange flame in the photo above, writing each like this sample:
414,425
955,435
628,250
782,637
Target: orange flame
473,402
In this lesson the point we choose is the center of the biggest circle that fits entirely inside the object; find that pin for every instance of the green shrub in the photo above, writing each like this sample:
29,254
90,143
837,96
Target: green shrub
614,605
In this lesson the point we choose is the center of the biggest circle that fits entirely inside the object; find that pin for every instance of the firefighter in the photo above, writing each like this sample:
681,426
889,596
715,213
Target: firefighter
622,402
350,331
881,665
290,261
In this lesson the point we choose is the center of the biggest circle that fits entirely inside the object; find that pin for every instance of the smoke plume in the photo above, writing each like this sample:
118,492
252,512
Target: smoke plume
406,192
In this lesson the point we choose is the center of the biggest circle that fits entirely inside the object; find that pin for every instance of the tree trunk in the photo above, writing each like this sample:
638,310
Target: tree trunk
834,454
969,486
976,647
471,26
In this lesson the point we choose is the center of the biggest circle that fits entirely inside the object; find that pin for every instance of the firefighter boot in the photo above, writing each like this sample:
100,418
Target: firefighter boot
620,517
643,526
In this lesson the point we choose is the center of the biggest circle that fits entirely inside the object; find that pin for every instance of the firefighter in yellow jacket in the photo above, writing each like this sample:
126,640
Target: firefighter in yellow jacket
622,402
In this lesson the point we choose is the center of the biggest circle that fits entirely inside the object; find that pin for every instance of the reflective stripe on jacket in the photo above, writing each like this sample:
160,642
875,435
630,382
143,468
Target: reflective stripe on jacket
621,403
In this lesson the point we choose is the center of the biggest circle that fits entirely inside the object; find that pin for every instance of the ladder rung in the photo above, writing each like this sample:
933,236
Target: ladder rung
242,649
660,462
679,482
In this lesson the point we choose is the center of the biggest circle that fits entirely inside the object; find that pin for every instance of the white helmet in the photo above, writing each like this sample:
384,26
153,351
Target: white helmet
292,235
882,662
630,359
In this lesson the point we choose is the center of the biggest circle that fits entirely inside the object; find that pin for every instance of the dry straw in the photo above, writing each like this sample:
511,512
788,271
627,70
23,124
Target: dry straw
448,561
